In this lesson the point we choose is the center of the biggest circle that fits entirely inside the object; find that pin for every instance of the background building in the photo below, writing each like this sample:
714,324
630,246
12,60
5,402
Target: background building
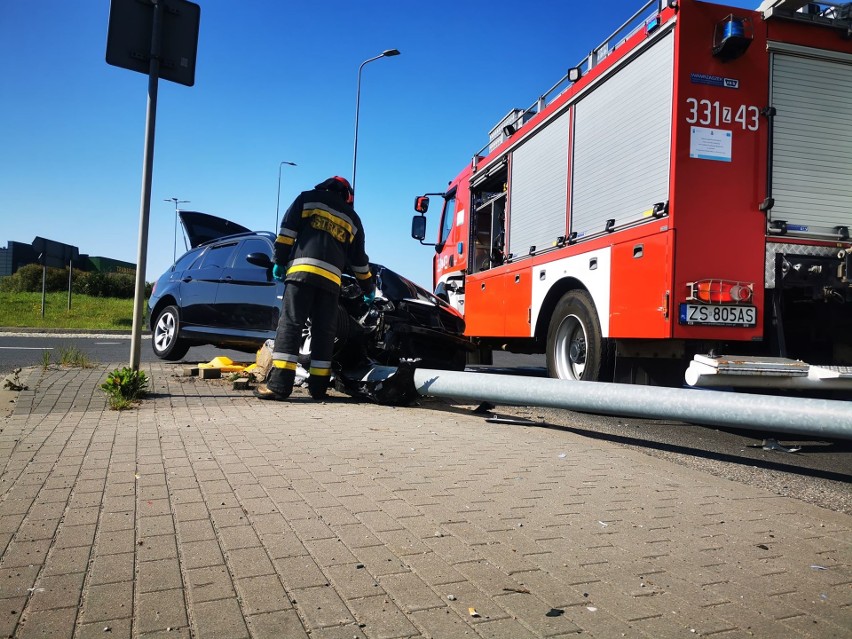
58,255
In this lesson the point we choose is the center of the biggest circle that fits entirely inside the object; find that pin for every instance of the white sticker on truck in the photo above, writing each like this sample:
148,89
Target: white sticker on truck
710,144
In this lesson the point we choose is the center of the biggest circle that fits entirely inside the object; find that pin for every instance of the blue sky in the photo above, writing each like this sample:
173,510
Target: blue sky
276,80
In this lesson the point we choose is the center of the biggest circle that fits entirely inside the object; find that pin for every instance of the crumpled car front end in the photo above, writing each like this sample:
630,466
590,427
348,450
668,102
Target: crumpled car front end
378,346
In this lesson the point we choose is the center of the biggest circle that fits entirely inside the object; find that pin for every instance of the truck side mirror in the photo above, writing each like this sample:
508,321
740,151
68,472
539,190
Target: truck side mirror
421,204
418,227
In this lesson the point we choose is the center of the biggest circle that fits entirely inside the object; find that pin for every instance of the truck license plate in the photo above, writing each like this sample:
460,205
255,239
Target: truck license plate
717,315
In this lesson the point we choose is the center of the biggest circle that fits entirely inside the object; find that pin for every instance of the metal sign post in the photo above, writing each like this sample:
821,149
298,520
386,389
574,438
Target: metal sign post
160,38
70,275
54,254
145,204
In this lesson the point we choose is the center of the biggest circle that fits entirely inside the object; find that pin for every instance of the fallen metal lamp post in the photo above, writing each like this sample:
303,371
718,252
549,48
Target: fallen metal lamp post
812,417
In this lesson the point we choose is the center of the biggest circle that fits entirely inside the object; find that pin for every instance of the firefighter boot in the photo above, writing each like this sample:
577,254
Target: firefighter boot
317,386
278,385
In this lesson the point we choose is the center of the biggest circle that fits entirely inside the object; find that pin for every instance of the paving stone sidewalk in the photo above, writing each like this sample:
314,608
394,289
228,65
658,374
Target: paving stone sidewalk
208,513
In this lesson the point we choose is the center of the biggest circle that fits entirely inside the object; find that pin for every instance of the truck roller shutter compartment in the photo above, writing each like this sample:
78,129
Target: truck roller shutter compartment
622,142
539,189
812,146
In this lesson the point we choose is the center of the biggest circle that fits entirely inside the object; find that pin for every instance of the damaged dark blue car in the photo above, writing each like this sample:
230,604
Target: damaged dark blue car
221,292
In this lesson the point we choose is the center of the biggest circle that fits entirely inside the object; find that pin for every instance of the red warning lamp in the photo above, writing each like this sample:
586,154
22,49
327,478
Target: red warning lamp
421,204
721,291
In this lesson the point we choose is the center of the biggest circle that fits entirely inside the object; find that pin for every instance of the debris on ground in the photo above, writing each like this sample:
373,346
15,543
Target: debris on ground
484,408
520,421
13,382
772,444
226,365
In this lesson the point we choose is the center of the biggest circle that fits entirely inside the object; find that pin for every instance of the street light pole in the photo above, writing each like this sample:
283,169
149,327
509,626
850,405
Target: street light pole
278,201
384,54
174,243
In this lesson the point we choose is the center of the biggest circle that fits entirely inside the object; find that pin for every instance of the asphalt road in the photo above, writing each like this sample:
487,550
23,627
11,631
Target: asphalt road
820,472
19,349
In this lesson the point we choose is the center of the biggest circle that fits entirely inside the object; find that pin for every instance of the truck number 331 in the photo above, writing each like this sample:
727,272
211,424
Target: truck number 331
705,112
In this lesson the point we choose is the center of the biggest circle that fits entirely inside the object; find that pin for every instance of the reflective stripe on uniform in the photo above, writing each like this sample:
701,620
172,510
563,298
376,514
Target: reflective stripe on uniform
362,272
320,372
290,366
283,239
312,261
316,270
338,228
323,210
319,267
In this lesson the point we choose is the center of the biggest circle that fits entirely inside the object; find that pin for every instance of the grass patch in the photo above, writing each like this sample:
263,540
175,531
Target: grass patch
69,356
74,357
87,312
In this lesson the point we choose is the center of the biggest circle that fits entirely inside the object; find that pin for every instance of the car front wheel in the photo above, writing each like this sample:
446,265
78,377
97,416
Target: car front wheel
165,338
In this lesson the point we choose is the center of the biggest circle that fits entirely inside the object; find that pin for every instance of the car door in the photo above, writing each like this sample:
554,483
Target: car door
200,283
248,299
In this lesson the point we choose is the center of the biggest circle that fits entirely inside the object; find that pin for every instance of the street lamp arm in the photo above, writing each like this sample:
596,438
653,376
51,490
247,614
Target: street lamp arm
381,55
387,53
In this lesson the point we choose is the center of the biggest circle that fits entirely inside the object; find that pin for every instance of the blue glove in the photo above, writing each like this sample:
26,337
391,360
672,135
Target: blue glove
278,273
369,297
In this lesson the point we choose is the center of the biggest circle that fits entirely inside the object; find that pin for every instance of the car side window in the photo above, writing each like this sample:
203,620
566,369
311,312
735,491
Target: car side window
186,260
218,256
251,245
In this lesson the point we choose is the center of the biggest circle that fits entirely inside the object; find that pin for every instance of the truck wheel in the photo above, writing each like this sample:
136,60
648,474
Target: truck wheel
575,348
165,340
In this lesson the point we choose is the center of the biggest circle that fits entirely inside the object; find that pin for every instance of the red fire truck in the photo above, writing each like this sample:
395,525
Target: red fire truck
685,193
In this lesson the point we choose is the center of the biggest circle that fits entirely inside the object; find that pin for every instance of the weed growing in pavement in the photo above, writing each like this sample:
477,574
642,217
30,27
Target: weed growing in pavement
73,356
124,387
45,360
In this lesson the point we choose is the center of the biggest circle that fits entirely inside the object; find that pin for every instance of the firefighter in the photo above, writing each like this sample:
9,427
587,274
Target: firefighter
320,235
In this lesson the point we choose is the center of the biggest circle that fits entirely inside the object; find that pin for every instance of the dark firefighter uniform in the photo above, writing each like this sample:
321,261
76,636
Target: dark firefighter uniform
320,235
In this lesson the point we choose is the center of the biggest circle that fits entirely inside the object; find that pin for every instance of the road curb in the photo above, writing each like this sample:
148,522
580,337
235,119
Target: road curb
78,331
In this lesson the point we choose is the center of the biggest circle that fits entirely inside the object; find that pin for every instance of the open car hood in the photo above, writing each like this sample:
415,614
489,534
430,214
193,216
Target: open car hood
201,227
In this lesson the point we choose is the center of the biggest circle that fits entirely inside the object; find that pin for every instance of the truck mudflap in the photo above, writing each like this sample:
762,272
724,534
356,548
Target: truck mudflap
766,372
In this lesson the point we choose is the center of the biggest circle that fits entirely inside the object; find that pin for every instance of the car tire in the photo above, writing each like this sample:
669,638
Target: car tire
575,348
167,345
305,347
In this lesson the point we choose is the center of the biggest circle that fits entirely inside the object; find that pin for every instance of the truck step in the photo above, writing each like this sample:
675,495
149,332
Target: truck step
765,372
745,365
